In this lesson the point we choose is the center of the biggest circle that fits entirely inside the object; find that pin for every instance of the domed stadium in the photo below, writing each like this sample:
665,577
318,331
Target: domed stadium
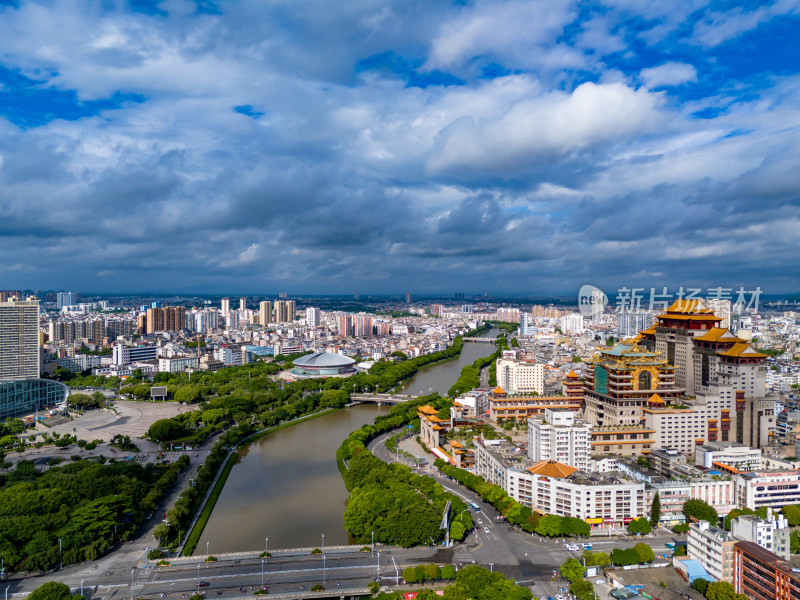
323,364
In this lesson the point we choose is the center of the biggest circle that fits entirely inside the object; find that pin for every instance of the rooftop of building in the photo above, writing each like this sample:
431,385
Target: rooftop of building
323,359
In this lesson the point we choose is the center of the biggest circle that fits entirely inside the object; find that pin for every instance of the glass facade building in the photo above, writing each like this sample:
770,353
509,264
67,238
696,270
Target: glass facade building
25,396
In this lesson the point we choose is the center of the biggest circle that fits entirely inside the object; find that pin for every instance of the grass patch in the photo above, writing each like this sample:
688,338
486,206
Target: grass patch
205,514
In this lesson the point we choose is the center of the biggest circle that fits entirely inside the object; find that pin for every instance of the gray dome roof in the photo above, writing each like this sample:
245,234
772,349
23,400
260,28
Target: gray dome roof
323,359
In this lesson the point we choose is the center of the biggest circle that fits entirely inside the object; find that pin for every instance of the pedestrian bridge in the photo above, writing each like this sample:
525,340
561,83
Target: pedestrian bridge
380,398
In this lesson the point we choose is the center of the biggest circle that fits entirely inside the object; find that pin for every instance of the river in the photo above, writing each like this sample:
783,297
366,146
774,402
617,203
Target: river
286,486
439,377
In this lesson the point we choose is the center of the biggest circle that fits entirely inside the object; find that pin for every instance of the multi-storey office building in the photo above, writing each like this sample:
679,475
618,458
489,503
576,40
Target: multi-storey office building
520,377
19,339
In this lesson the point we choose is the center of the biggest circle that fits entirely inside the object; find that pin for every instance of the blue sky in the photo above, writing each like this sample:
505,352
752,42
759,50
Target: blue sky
315,147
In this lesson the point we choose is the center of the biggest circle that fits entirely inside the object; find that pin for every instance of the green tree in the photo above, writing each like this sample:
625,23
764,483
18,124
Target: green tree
700,510
549,525
792,514
410,574
645,553
448,572
334,398
655,511
640,526
52,590
794,542
701,585
572,570
457,530
722,590
583,590
164,430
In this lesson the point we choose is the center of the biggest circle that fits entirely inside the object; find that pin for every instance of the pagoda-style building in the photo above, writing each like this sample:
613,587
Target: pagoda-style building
572,386
620,381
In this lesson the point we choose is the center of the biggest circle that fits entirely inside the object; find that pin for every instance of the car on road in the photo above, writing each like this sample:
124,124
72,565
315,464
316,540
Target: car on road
202,584
587,546
150,516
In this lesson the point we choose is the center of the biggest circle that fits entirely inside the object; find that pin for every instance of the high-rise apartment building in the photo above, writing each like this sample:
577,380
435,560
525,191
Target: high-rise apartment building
243,303
65,299
285,311
721,308
525,324
363,326
313,317
19,339
265,313
559,436
630,323
509,315
571,324
225,306
345,325
171,318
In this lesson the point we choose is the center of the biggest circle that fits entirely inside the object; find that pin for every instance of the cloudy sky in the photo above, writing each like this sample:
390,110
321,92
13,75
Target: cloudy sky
378,146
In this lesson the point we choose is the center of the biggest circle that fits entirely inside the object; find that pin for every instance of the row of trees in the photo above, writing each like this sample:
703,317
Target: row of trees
85,504
400,507
640,553
182,512
429,572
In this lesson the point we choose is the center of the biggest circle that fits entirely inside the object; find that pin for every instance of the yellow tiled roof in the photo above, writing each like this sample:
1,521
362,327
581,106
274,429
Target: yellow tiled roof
718,334
743,350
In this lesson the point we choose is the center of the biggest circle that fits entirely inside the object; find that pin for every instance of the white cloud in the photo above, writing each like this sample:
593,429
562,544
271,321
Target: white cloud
668,74
545,127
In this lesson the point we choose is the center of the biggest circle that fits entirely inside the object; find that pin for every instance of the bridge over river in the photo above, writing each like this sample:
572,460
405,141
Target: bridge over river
381,398
484,340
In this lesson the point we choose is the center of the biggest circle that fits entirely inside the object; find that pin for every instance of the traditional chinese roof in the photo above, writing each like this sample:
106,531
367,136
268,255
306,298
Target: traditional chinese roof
650,330
656,399
718,334
498,390
742,350
572,375
428,410
551,468
689,306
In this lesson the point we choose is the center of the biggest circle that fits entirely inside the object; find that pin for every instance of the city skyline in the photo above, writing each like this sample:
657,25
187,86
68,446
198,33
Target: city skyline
513,147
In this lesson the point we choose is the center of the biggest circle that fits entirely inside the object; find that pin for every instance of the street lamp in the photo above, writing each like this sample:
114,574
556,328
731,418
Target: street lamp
133,570
266,547
379,564
207,543
323,568
372,551
82,580
146,558
262,573
198,573
491,567
323,542
61,555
